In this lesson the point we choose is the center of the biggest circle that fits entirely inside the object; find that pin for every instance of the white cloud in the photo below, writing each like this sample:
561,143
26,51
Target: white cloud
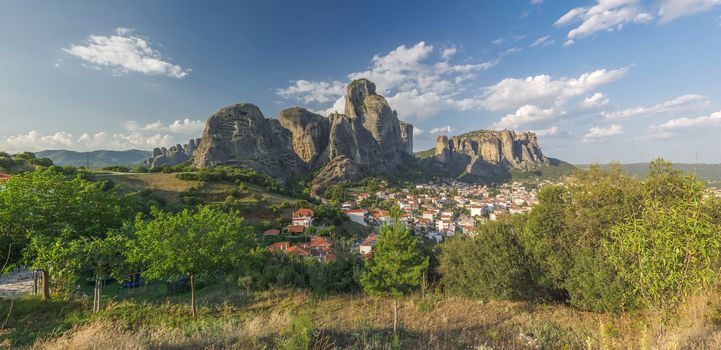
713,119
525,115
543,90
547,132
135,135
185,126
125,52
670,10
417,131
543,41
680,104
446,130
600,134
606,15
418,81
594,101
310,91
536,2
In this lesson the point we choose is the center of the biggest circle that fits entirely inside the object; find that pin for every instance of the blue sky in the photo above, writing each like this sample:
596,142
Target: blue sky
625,80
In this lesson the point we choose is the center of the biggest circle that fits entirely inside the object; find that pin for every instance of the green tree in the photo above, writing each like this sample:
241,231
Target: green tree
669,249
397,265
43,207
491,264
192,244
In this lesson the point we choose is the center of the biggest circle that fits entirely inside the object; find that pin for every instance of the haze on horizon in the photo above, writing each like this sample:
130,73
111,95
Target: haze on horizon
624,80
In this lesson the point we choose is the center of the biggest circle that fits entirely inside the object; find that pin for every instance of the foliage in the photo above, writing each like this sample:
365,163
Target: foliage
669,249
48,204
201,243
491,264
397,265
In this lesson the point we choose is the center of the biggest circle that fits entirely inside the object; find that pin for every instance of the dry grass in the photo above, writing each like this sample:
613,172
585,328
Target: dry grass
361,322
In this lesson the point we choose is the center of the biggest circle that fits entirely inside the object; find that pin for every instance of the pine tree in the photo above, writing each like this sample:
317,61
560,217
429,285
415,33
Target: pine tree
397,266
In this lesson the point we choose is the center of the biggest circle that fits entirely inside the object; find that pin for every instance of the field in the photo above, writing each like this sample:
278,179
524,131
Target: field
229,318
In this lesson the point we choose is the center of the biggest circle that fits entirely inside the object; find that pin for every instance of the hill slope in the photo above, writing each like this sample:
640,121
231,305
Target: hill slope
95,158
709,172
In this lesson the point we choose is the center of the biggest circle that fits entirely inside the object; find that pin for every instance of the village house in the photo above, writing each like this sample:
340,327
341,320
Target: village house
357,215
303,217
295,229
366,247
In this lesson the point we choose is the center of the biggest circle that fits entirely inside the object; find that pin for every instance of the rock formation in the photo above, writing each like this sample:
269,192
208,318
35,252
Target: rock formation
172,156
487,152
407,137
241,136
310,133
367,140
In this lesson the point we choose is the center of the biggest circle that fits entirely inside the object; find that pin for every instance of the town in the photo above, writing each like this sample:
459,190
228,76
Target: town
432,210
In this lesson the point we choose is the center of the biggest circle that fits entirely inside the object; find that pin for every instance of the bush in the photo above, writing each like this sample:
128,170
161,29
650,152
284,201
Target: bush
492,264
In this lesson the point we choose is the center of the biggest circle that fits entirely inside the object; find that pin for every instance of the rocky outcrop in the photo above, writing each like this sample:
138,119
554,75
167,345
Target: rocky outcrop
488,152
407,137
367,140
174,155
241,136
309,133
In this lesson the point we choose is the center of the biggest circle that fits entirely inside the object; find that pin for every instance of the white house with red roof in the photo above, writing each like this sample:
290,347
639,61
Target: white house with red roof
303,217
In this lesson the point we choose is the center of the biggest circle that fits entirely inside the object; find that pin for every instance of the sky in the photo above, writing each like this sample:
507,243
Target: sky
598,81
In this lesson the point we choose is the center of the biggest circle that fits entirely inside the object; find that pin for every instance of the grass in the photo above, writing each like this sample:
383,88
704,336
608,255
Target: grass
281,318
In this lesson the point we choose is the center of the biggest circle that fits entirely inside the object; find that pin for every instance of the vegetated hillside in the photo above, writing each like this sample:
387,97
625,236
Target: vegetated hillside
708,172
95,158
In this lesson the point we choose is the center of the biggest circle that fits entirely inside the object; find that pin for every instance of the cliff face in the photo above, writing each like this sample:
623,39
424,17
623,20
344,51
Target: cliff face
487,152
367,140
240,135
407,137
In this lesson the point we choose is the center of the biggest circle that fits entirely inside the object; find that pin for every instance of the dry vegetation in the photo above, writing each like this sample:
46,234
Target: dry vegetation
287,318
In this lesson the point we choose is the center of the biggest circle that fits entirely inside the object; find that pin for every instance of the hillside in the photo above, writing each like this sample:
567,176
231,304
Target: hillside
96,159
708,172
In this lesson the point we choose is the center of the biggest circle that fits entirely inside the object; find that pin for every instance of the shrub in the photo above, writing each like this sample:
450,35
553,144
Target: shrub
492,264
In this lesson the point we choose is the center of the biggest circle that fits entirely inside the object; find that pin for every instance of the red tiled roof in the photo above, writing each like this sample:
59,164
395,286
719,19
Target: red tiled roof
303,212
296,228
296,250
271,232
4,177
369,240
320,242
278,246
355,211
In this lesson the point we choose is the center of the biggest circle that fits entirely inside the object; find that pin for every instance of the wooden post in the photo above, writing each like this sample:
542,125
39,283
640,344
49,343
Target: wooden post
46,284
192,294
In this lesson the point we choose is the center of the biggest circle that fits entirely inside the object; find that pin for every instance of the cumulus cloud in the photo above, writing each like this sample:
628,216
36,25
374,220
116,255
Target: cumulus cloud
600,134
445,130
713,119
125,52
311,91
670,10
679,104
594,101
417,131
134,135
418,81
547,132
524,116
606,15
544,90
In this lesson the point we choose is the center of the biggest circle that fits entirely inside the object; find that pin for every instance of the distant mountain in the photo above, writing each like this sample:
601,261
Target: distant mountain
96,159
709,172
